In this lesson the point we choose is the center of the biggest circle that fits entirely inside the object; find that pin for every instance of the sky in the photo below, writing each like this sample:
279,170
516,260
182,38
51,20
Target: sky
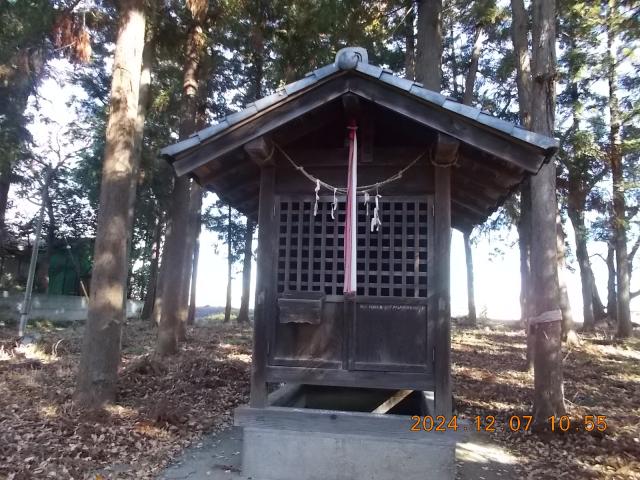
496,255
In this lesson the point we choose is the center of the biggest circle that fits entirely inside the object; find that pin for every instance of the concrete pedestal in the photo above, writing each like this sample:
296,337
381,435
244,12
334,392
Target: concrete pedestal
293,443
289,455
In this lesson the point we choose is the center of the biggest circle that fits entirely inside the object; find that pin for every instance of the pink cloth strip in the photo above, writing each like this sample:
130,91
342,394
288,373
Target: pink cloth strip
351,217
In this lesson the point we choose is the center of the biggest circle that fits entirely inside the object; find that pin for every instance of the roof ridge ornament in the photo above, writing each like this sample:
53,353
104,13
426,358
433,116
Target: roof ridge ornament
348,58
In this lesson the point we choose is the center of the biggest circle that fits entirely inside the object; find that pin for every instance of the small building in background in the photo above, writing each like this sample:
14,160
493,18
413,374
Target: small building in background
66,272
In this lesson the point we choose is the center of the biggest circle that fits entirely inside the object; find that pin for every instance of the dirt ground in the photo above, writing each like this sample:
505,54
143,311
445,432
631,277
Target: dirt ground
163,407
601,379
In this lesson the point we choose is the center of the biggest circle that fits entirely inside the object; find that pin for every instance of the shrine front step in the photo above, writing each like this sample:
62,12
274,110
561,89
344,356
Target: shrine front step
283,443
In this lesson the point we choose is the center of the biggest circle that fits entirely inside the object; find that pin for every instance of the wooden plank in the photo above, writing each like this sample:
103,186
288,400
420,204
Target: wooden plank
287,255
470,208
391,251
336,250
367,247
428,403
300,226
259,125
392,401
305,362
378,234
260,151
431,316
348,343
486,172
395,301
390,337
300,310
316,345
442,310
351,105
403,246
338,423
251,198
265,311
308,123
240,186
461,219
351,378
388,366
500,145
446,150
283,395
415,268
311,249
397,157
229,171
366,134
486,195
322,210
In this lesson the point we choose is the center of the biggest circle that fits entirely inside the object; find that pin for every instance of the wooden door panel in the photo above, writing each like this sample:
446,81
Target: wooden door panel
389,335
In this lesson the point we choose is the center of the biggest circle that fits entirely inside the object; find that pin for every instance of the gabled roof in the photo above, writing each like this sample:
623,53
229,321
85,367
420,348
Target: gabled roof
511,146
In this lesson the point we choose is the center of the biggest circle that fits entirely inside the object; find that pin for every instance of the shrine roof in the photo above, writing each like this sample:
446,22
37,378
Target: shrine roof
502,145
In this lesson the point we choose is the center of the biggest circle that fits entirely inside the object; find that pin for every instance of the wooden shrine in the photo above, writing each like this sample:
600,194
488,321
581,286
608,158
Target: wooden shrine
430,163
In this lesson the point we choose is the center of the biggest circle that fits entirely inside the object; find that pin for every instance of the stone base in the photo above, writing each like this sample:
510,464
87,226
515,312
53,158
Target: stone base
293,443
289,455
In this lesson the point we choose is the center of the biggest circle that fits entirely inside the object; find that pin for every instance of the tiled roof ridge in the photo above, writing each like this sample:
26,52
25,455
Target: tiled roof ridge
356,58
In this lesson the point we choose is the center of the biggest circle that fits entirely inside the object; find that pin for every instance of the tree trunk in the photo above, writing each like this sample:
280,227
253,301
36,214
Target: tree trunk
410,42
568,329
578,188
598,308
519,36
467,99
548,388
586,274
612,296
471,298
453,62
243,314
190,239
98,372
257,52
43,267
429,66
174,310
171,313
227,308
152,283
191,317
524,239
5,185
156,313
470,80
144,99
619,205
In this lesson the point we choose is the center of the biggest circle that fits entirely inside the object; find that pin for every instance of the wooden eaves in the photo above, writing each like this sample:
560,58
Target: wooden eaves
495,156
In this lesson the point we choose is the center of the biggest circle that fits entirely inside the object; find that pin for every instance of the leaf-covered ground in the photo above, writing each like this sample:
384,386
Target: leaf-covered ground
162,406
165,406
600,379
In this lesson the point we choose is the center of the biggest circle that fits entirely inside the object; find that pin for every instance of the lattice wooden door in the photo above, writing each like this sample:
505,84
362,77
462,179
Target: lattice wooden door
392,262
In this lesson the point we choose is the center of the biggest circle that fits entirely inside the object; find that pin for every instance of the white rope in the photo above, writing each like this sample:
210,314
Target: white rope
361,189
367,197
315,206
375,221
334,205
546,317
